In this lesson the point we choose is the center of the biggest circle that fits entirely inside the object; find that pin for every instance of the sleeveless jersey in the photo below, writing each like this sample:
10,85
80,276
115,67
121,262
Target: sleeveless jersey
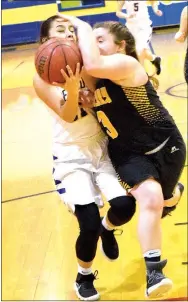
70,140
83,128
133,117
140,9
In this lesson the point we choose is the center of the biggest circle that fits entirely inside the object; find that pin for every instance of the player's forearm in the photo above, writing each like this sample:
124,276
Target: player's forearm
88,46
181,35
120,14
184,21
154,5
156,10
69,110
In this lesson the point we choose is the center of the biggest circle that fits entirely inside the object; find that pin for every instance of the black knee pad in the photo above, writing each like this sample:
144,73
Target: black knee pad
122,210
90,226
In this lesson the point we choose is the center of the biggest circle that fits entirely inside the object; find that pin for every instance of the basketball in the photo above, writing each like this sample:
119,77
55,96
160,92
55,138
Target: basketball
54,55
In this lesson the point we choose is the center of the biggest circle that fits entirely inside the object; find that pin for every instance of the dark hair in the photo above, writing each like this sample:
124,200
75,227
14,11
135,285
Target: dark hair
45,28
120,33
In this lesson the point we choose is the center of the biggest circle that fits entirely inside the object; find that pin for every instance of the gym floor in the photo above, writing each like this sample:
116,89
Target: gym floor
38,233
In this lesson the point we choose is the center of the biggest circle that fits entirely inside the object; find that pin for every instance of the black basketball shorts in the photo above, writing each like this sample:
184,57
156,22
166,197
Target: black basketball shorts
165,166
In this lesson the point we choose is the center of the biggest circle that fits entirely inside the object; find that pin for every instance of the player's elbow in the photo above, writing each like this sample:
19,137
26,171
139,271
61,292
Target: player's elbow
93,67
70,121
89,67
67,118
181,40
180,37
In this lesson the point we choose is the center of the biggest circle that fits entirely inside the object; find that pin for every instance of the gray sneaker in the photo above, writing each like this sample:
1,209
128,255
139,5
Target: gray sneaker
157,284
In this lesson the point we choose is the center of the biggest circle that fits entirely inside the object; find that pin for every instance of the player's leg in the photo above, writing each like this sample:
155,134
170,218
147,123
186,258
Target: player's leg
77,191
146,52
86,245
169,161
122,207
172,159
156,60
141,175
150,201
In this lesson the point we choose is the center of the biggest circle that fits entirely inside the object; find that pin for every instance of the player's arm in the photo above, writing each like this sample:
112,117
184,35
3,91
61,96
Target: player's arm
114,67
50,95
89,81
183,30
119,12
155,8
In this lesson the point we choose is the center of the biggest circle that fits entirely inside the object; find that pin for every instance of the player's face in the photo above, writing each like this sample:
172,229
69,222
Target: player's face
105,41
61,29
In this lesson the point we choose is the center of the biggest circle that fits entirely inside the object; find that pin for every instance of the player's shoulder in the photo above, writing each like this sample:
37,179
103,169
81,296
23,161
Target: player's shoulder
43,89
39,83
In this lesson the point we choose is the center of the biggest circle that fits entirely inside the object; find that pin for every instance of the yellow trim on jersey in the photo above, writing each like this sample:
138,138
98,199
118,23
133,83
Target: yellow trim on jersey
139,99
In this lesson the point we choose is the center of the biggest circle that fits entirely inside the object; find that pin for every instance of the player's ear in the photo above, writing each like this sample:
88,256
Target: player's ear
121,48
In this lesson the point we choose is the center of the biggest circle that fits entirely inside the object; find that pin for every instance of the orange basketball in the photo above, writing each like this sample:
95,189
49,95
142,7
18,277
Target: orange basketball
54,55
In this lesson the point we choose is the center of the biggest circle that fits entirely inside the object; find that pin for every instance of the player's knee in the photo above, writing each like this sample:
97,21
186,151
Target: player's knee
122,210
88,218
86,244
151,197
92,231
90,227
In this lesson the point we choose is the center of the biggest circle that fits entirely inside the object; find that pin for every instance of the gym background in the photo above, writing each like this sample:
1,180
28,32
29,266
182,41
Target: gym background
21,19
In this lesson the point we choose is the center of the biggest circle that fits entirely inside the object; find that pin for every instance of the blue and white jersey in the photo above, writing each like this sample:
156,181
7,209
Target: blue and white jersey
140,10
70,138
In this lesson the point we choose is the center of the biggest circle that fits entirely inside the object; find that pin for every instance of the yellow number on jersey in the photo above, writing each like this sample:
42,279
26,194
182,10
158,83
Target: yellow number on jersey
107,124
102,97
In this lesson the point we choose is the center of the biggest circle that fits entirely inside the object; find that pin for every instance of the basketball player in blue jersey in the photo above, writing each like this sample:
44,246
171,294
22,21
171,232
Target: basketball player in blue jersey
145,145
181,37
82,166
140,25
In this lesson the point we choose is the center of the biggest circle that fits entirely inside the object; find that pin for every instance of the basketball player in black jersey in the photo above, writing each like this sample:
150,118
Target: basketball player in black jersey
181,36
63,103
145,144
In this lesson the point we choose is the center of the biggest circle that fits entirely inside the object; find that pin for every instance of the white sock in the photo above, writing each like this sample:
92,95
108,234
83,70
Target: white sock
105,225
152,253
84,271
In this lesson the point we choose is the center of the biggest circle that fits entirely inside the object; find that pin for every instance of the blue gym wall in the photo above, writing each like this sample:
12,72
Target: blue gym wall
21,19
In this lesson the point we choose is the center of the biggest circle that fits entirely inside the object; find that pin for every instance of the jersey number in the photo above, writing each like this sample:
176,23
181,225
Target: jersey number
111,131
136,7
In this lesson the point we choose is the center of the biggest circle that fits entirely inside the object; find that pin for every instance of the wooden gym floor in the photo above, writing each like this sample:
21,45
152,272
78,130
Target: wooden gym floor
38,234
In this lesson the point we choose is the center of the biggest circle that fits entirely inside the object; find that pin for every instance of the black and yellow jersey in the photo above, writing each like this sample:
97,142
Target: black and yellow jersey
133,117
